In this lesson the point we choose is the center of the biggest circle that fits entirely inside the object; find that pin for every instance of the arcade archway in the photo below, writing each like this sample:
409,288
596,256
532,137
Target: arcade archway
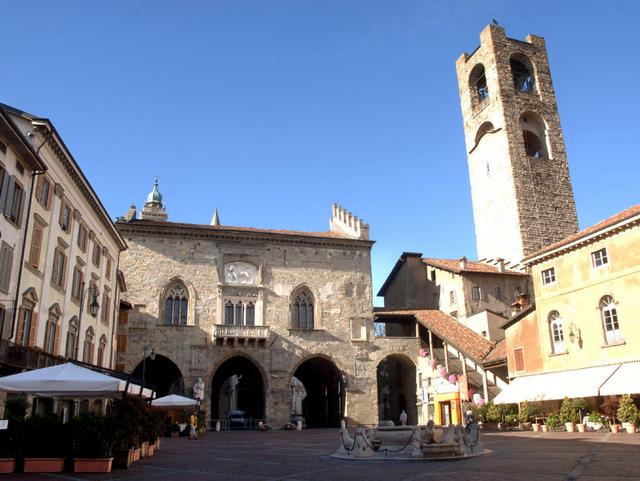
396,376
323,405
162,373
237,385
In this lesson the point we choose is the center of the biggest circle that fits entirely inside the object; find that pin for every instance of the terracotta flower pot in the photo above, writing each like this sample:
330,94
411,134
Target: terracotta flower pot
151,449
157,443
545,428
581,427
615,428
43,465
570,427
122,458
145,449
629,427
137,452
7,465
526,426
92,465
535,427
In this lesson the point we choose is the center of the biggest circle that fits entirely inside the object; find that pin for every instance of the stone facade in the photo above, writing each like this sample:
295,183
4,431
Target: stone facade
520,184
264,269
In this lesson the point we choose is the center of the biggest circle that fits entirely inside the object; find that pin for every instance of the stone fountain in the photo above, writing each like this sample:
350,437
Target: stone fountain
424,442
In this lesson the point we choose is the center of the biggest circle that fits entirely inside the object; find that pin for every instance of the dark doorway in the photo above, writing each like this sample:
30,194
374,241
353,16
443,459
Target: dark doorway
237,385
397,389
323,405
162,373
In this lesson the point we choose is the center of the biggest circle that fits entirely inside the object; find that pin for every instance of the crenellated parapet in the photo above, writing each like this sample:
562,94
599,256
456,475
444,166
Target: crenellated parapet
344,222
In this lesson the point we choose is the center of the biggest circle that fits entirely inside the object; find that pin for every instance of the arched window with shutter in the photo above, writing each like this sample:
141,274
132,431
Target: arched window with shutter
610,324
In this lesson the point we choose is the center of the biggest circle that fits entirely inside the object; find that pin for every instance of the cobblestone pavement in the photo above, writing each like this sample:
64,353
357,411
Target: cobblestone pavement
302,456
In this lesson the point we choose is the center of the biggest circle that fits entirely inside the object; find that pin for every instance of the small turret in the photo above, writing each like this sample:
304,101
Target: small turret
154,209
215,220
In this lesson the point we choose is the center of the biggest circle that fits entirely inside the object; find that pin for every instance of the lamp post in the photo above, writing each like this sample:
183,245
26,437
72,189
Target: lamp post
93,310
151,355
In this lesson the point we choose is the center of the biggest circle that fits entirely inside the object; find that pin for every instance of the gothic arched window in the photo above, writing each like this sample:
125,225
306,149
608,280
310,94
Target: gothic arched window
303,310
250,314
609,314
228,313
556,330
478,84
176,305
101,348
522,73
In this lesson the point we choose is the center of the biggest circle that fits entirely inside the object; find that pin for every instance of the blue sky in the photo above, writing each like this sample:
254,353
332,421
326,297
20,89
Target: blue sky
272,110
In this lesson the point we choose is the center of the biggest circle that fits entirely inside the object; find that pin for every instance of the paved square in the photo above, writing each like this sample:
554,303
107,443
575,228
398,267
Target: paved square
302,456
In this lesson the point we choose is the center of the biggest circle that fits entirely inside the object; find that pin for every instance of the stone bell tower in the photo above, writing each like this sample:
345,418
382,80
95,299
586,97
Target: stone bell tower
520,184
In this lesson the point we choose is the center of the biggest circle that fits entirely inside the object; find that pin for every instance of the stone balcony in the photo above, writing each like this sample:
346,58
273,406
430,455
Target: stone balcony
240,335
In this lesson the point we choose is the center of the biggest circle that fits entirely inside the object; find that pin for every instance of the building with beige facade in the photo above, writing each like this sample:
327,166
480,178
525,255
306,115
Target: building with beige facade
581,337
254,314
66,267
19,162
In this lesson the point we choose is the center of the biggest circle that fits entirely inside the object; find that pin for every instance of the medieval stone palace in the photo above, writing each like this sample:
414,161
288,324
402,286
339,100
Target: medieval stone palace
253,313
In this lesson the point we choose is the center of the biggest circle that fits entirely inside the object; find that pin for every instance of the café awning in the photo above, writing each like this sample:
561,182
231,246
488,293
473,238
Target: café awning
549,386
174,401
68,381
625,380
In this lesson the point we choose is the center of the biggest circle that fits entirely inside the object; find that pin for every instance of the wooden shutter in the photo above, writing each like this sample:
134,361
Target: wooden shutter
34,329
4,190
56,340
21,314
518,355
36,244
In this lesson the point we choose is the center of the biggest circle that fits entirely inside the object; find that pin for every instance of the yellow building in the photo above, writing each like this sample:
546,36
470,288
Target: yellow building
581,338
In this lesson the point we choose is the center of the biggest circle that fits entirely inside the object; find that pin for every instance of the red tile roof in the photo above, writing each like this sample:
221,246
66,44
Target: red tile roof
498,354
611,221
453,265
448,329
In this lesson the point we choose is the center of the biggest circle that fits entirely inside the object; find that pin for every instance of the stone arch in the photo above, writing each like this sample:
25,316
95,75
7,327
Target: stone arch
191,300
160,371
478,85
523,73
396,382
534,135
317,307
238,390
324,383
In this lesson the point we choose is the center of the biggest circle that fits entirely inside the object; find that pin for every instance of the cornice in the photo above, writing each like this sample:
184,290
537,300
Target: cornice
230,235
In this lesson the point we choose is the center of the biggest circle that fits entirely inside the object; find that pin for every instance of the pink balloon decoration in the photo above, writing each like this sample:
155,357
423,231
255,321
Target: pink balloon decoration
443,372
453,378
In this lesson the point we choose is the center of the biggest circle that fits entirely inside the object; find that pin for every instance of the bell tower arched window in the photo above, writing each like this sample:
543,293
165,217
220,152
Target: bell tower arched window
534,135
478,84
176,305
303,310
522,73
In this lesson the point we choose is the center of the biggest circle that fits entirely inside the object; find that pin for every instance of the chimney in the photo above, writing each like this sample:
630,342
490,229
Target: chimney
500,264
463,263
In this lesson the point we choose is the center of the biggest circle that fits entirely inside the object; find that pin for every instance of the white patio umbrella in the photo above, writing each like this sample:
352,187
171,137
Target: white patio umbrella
174,401
66,381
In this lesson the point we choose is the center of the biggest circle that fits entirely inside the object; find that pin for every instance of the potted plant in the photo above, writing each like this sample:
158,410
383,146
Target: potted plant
553,421
44,444
127,417
93,438
527,414
610,409
7,452
493,415
627,413
511,420
570,413
15,409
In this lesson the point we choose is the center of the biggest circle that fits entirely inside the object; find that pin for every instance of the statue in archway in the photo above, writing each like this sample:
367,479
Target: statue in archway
198,390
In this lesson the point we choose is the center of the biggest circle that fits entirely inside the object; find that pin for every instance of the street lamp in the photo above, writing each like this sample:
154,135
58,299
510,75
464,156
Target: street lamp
93,310
151,355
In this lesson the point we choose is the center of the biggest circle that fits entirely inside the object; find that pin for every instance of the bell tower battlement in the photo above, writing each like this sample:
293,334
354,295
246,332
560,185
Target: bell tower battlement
520,183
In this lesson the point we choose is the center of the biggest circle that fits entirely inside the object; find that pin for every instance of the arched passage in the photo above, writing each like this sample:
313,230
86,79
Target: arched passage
323,405
396,376
237,385
162,372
